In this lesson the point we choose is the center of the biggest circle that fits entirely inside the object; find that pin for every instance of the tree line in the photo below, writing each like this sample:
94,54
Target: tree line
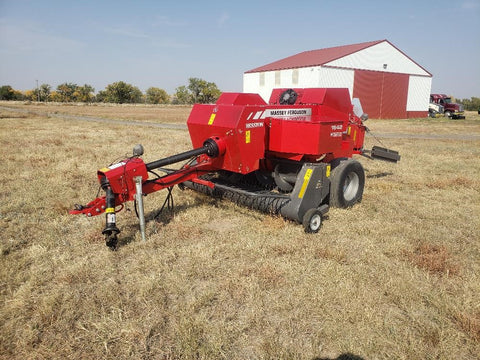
197,91
472,104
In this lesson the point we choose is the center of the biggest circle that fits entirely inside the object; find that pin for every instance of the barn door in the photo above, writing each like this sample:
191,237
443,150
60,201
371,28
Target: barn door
383,95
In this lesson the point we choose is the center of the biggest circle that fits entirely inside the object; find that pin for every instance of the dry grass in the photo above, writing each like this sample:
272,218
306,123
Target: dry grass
395,277
436,259
150,113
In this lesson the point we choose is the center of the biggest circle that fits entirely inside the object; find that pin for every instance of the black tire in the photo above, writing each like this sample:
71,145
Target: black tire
336,162
312,221
448,114
346,184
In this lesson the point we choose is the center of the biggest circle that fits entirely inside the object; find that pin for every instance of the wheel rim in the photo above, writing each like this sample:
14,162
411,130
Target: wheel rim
315,222
350,188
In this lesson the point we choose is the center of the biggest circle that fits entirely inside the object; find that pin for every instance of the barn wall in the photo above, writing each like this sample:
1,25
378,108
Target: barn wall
418,96
308,77
251,84
304,78
250,81
336,78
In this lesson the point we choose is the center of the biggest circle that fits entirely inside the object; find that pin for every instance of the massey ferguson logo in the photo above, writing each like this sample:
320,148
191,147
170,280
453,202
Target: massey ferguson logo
286,113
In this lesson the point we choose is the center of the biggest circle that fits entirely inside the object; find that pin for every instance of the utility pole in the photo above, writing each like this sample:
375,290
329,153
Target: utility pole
38,92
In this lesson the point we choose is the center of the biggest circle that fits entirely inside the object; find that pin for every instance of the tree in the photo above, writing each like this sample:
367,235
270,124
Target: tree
472,104
55,96
44,92
101,96
182,96
18,95
66,91
196,85
197,91
155,95
121,92
202,91
85,93
7,93
30,95
210,93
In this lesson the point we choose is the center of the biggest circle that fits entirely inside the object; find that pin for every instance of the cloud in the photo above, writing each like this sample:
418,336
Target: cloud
153,39
223,19
29,37
128,32
162,20
157,41
470,5
169,43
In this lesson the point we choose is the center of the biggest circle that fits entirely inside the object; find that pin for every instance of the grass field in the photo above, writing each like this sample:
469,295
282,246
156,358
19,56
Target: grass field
395,277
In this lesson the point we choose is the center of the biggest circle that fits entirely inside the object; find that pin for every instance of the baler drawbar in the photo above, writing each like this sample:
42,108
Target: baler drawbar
291,157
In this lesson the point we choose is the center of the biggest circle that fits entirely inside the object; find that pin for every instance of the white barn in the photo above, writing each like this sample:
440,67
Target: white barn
389,84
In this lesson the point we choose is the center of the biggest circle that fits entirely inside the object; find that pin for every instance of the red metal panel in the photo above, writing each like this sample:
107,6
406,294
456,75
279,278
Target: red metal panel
367,86
237,126
120,176
320,132
382,95
394,96
240,99
305,137
417,114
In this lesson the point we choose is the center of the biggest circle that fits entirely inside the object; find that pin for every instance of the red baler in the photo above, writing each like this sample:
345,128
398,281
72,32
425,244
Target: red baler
290,157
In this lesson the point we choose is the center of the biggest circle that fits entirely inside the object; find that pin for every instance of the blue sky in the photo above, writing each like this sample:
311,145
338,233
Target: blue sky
163,43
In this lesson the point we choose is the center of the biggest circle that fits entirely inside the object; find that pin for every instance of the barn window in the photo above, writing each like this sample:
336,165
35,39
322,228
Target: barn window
262,79
295,77
277,78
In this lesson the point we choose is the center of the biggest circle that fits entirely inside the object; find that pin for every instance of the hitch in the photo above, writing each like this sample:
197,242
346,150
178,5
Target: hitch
111,229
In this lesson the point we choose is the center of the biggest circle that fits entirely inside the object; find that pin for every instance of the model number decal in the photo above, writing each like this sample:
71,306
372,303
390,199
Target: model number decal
254,125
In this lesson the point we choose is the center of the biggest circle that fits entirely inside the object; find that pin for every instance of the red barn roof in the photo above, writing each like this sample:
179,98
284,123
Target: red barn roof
314,57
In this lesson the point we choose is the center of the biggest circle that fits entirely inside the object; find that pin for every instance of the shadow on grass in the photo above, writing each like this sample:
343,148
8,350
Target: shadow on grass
346,356
163,215
379,175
